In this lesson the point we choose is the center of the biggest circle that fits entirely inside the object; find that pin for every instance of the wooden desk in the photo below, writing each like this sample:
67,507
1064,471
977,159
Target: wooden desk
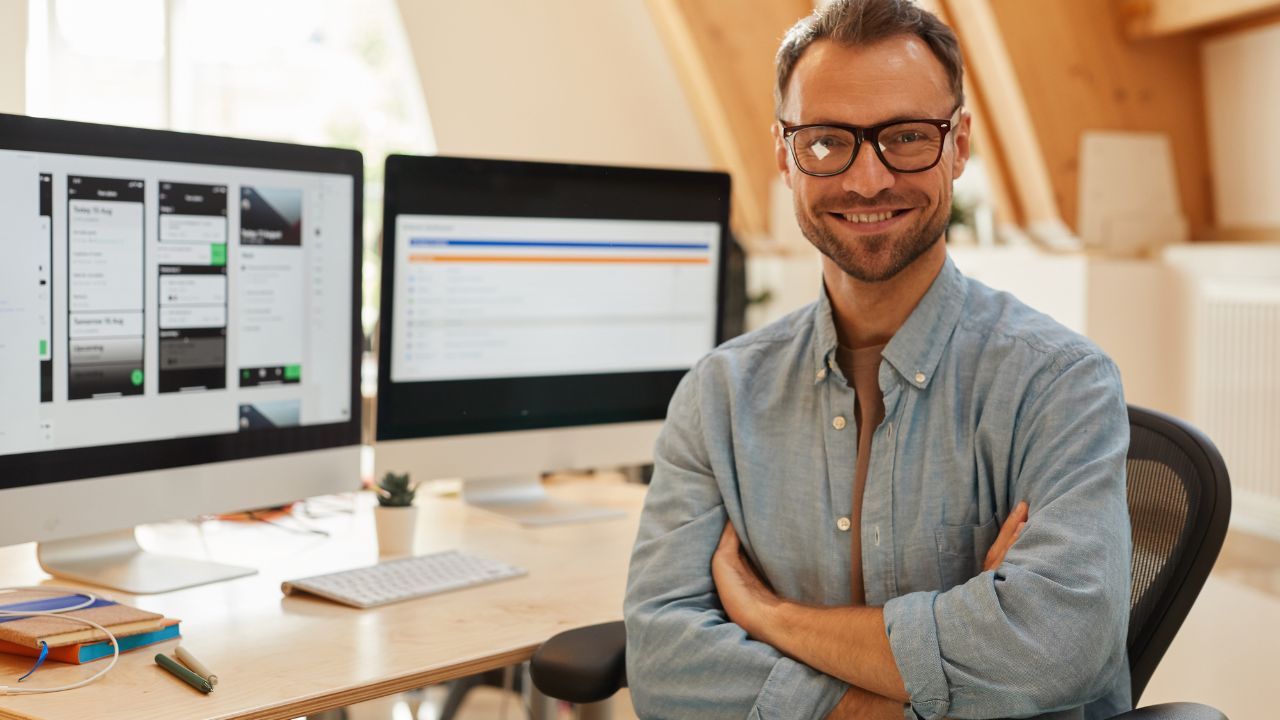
283,657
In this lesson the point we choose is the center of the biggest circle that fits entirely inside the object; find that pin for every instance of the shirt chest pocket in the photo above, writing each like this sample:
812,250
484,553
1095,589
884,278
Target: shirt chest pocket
961,550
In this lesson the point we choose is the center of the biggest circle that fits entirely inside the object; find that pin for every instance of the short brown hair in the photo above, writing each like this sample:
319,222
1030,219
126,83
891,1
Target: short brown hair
863,22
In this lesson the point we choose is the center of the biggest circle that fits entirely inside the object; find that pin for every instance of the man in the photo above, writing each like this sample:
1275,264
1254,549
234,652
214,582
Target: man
826,489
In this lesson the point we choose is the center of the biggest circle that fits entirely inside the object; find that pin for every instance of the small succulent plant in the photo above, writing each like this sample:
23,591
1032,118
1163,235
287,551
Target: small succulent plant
396,490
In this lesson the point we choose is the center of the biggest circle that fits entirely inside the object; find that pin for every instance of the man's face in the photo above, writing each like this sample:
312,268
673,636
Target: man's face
897,78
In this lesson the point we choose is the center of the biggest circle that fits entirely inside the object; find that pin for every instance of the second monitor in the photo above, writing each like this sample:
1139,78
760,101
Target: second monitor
538,316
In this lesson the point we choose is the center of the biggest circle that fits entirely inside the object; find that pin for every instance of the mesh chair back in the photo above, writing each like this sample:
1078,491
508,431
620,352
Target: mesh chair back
1179,505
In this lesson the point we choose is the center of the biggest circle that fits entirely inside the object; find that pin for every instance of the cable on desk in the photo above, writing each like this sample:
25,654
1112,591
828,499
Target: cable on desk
90,599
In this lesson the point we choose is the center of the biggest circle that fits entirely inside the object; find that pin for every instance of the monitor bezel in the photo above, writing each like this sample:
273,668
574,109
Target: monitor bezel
64,137
393,426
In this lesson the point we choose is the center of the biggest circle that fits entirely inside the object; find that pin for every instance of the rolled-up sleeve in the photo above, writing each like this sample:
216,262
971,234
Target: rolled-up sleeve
1046,631
684,657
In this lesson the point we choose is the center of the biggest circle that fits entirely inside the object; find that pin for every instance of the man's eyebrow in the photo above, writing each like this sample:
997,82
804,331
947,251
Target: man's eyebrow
886,121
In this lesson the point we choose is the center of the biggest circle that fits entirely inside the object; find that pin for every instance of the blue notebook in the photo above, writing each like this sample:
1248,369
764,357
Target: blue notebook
90,651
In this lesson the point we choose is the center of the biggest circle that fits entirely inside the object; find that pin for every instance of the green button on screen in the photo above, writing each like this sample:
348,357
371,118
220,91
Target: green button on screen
292,372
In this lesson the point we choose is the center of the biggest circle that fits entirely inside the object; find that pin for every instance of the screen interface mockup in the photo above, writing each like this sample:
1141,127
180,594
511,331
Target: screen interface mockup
512,297
146,300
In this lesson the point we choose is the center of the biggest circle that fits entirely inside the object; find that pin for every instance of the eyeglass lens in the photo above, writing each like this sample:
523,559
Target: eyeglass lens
905,147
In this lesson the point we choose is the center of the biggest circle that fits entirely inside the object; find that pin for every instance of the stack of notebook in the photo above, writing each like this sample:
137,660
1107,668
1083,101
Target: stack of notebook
73,642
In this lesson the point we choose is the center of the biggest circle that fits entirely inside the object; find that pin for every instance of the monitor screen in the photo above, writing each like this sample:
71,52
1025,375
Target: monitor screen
172,299
524,295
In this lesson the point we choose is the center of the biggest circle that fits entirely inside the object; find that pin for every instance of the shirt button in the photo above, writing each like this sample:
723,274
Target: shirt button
919,377
822,373
838,422
844,524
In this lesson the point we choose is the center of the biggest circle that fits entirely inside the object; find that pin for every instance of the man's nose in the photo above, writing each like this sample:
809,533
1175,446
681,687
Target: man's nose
867,176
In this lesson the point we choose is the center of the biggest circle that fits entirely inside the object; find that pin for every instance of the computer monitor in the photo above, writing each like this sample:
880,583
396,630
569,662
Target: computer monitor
179,335
537,317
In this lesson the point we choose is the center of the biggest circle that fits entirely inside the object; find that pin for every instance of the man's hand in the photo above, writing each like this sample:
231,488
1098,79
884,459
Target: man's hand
1009,532
744,595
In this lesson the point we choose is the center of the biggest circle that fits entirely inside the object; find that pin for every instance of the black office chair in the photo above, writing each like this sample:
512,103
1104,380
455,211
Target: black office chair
1179,505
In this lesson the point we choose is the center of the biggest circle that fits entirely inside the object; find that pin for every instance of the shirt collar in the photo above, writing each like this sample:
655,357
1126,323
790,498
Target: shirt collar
824,346
915,350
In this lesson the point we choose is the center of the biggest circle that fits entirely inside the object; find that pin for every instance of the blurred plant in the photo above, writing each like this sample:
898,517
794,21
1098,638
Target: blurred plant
396,490
962,212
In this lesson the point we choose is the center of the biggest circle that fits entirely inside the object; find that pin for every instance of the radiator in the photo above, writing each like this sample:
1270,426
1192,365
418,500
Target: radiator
1235,393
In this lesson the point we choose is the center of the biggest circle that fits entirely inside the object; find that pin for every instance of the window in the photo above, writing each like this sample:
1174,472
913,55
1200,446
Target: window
319,72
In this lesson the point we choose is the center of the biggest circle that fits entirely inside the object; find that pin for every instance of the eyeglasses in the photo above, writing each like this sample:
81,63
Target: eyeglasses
905,146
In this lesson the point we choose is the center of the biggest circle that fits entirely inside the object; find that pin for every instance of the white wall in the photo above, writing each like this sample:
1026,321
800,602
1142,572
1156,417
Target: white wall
551,80
1242,97
13,52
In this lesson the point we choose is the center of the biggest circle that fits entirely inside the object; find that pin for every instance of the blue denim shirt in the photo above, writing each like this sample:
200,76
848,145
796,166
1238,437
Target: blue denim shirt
987,402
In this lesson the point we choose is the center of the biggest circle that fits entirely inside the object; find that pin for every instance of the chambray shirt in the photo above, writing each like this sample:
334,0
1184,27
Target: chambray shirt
987,402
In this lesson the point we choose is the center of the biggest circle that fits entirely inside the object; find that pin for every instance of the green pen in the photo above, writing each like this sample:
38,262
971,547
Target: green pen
190,678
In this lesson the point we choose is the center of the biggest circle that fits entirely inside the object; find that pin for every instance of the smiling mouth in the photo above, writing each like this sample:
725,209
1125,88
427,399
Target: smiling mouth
867,218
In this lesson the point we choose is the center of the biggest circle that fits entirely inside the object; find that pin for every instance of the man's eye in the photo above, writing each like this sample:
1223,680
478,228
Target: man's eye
830,142
826,145
907,138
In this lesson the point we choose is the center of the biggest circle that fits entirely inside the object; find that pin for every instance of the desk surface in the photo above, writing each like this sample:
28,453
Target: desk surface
283,657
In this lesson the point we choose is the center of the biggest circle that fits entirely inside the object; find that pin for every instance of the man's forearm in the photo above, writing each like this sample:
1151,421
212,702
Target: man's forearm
859,704
848,643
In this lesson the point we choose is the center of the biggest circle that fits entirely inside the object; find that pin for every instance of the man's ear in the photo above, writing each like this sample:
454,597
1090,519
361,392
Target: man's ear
780,154
961,137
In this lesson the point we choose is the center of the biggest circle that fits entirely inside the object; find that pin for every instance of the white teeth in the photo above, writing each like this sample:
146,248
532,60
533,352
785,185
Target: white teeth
864,218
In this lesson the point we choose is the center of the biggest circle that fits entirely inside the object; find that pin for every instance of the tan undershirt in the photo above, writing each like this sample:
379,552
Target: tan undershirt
862,368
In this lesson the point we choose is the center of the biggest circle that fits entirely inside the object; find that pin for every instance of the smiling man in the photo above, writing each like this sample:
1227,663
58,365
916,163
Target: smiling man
835,526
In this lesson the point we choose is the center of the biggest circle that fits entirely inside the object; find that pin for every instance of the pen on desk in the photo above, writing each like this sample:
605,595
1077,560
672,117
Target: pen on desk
190,678
186,658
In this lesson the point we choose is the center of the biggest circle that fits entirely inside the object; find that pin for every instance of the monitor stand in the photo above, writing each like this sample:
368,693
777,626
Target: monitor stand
523,499
115,560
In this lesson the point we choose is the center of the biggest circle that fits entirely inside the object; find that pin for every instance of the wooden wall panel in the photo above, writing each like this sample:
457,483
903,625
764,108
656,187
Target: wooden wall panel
1078,72
723,53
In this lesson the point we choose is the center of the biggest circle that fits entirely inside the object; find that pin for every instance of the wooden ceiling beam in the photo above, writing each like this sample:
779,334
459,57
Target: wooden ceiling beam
1006,208
1145,19
1005,132
725,62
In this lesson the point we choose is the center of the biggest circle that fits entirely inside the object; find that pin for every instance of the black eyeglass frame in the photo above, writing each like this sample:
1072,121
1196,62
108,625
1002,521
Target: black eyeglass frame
872,133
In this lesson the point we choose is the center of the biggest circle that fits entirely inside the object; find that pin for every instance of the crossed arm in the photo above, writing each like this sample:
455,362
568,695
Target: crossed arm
848,643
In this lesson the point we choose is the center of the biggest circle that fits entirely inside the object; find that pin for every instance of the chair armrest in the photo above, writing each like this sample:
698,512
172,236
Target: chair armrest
583,665
1173,711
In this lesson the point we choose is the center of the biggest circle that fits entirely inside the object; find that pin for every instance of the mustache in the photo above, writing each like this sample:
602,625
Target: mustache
856,202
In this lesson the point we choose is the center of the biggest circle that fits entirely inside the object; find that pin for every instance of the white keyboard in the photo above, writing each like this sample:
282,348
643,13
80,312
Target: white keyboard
404,579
